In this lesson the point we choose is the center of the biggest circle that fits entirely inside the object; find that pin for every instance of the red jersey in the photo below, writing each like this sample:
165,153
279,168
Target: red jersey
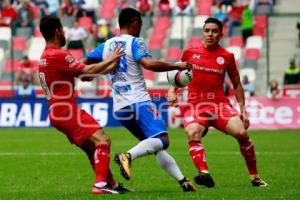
57,70
209,67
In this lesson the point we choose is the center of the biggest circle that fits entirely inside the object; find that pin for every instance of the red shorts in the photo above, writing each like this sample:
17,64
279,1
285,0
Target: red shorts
216,115
74,122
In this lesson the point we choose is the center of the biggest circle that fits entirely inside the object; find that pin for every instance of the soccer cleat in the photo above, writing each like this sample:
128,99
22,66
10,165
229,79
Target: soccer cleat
104,190
124,160
187,185
258,182
204,179
121,189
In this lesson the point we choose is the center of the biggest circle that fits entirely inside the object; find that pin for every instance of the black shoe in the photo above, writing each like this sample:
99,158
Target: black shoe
258,182
124,161
187,185
204,179
121,189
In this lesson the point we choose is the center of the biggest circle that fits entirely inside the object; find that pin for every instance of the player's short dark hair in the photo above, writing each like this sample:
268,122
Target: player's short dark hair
127,15
214,21
48,25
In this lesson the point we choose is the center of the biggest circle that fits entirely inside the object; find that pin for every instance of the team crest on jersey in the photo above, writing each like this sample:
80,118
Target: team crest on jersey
69,59
220,60
43,62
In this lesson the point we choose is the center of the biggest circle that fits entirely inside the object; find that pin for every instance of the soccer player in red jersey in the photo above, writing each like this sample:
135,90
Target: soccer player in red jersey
57,71
209,106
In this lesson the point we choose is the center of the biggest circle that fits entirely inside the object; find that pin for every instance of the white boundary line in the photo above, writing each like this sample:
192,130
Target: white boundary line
80,154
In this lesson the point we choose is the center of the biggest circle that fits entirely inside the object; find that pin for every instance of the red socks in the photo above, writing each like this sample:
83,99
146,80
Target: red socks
197,153
248,152
110,180
101,159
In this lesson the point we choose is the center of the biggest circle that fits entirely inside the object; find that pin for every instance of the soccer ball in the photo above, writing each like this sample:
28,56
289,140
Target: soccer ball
178,78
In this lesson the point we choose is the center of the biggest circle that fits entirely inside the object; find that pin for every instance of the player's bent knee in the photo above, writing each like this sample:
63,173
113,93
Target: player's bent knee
195,132
100,137
242,135
164,140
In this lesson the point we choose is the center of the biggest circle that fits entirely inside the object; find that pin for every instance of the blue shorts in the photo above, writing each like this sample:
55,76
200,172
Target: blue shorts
142,120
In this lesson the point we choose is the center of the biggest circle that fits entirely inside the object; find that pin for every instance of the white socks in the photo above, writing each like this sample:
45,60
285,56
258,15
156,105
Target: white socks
167,163
146,147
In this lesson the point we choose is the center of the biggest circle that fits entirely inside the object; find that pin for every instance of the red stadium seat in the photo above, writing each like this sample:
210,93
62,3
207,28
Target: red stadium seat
194,41
76,53
86,22
108,8
6,89
155,44
236,41
205,7
161,24
259,30
149,75
37,32
260,20
36,11
252,54
11,65
173,54
5,83
19,43
260,24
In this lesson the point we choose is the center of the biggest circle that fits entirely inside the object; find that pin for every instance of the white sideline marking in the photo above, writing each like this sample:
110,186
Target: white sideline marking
185,153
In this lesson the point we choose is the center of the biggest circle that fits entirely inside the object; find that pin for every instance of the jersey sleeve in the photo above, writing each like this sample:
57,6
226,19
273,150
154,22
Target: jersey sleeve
232,69
139,49
96,54
66,63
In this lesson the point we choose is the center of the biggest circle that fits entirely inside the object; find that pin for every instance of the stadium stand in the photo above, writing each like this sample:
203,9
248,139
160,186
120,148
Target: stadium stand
167,37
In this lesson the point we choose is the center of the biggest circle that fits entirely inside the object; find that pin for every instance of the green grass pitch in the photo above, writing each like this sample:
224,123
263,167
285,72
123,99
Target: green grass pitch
41,164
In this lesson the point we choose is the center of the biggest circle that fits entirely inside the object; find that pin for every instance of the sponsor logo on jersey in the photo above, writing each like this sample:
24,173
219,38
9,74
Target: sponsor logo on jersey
196,56
220,60
208,69
69,59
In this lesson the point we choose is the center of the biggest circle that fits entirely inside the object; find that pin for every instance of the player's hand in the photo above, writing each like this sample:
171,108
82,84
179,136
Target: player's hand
116,54
172,98
184,65
245,119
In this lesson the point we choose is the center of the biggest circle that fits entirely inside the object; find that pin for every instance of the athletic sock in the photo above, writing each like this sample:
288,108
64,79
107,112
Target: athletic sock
248,152
146,147
197,153
167,163
110,180
101,158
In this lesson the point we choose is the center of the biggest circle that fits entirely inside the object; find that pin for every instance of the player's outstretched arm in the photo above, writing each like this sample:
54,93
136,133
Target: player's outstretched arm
107,65
161,66
172,98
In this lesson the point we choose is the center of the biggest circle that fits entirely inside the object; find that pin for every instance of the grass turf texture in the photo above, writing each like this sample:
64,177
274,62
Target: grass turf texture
41,164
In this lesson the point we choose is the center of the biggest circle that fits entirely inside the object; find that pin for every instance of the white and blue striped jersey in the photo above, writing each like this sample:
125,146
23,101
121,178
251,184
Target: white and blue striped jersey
127,81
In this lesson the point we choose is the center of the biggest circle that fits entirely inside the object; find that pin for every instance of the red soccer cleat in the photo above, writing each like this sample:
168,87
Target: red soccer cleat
103,190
